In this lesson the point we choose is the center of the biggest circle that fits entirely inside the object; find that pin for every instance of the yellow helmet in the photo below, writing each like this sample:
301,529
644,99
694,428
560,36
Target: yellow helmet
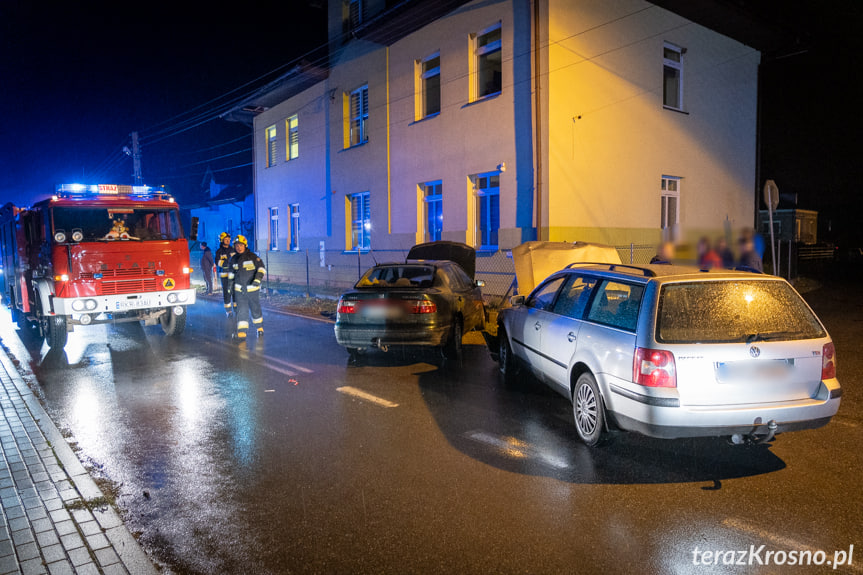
224,235
241,240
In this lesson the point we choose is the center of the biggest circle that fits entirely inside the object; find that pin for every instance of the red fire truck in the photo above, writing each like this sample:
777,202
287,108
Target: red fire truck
96,254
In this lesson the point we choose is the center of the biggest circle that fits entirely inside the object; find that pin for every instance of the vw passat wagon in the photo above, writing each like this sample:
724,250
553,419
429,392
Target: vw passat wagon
672,351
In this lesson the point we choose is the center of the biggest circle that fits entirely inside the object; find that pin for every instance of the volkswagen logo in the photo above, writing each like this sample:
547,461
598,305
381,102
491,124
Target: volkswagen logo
754,351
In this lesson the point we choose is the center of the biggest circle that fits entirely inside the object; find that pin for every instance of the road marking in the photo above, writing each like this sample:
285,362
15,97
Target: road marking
288,368
516,448
360,394
285,363
789,544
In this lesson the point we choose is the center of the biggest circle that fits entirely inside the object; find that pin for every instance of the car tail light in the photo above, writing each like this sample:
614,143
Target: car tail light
654,368
347,306
828,361
422,306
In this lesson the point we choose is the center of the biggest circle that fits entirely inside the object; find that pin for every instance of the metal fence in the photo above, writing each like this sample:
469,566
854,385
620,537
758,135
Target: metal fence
327,273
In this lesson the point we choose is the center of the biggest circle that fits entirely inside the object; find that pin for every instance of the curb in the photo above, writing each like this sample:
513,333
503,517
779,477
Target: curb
74,484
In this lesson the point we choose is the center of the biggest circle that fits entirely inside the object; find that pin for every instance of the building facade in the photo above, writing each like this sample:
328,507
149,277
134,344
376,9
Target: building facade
496,122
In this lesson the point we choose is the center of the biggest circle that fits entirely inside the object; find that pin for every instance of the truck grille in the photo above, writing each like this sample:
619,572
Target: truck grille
121,273
129,286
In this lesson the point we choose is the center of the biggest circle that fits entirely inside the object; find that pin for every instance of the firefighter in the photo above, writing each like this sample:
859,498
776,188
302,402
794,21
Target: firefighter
247,271
223,263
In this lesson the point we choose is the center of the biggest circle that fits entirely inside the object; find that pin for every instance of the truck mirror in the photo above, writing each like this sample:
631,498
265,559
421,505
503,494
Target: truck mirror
193,233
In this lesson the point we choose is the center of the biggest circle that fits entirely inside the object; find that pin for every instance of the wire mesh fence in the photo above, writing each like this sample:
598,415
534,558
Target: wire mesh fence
327,273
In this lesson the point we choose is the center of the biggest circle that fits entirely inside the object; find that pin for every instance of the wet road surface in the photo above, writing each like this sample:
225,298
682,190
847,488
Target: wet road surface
286,458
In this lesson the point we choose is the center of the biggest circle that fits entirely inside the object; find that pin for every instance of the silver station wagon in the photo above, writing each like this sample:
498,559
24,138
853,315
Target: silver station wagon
672,351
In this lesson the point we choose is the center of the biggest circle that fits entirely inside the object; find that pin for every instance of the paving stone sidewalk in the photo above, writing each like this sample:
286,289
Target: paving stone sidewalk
54,519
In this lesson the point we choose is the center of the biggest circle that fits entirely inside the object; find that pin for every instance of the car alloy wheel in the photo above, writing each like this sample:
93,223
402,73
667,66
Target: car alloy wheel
587,408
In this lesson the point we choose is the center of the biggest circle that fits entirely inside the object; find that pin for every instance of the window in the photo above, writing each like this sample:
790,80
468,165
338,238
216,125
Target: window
574,296
543,297
355,13
433,201
295,227
616,304
271,146
672,77
486,63
274,229
361,222
428,86
356,116
670,211
293,139
488,209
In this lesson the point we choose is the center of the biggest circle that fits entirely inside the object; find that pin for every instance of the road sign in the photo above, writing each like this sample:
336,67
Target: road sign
771,194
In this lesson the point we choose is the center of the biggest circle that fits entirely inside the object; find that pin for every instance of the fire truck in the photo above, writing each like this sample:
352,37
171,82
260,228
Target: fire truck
94,254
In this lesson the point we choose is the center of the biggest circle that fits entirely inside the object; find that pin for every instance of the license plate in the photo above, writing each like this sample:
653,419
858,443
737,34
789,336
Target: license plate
136,303
381,311
767,370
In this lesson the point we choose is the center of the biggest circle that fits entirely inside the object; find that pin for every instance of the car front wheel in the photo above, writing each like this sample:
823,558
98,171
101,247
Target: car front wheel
587,408
506,362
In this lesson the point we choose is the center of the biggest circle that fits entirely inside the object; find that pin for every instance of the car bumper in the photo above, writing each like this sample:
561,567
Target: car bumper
655,418
363,337
121,303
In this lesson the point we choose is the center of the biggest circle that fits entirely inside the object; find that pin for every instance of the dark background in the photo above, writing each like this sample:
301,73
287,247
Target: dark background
79,77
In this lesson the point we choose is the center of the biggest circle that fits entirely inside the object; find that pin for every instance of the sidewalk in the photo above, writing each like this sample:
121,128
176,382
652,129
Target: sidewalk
51,519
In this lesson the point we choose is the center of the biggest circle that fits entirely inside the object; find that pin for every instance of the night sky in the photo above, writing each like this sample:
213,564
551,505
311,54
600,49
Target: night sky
78,77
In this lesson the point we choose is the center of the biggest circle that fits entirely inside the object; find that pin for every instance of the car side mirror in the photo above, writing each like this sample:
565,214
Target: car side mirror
516,300
479,283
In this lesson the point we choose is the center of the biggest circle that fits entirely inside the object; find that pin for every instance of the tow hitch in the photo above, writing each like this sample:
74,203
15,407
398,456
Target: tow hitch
752,439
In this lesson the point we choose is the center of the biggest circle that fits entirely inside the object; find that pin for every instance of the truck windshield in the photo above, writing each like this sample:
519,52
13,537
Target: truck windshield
123,224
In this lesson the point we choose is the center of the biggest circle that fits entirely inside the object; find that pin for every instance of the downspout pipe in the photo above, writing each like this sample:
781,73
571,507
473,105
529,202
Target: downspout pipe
537,129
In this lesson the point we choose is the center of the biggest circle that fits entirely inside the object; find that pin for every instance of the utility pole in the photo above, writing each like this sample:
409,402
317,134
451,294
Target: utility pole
136,160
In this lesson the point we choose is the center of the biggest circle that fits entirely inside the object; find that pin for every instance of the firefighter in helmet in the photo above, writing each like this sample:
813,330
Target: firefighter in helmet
247,272
223,263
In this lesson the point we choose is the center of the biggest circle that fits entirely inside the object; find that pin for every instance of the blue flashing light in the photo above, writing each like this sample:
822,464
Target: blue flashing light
102,190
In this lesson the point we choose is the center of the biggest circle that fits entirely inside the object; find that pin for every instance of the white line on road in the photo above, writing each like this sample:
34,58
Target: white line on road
360,394
288,368
286,363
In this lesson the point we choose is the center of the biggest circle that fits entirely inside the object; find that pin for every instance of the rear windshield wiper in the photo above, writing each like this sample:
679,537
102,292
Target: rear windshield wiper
771,335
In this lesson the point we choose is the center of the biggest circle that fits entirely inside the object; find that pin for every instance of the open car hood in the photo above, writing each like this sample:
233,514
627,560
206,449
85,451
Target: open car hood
462,254
535,261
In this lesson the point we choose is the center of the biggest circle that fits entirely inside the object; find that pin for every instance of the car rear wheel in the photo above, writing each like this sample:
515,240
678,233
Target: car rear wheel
453,348
587,408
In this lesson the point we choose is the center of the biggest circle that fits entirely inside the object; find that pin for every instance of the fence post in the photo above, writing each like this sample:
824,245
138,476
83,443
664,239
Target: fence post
789,260
308,283
778,270
631,253
267,265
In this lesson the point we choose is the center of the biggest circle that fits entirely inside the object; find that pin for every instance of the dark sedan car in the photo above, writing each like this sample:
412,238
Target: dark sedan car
430,300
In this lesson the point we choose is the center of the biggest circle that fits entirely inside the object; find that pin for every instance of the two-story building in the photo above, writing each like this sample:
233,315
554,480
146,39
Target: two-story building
496,122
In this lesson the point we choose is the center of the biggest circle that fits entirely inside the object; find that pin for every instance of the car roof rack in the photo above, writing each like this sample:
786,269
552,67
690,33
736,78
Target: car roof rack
646,272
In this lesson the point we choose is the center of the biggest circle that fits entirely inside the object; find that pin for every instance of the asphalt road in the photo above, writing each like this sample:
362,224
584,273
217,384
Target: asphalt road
286,458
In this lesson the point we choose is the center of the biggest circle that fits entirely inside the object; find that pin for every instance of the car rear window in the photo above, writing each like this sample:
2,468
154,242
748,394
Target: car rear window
733,311
397,276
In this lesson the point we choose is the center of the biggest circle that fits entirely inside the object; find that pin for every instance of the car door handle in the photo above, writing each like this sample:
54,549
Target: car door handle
571,337
537,326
